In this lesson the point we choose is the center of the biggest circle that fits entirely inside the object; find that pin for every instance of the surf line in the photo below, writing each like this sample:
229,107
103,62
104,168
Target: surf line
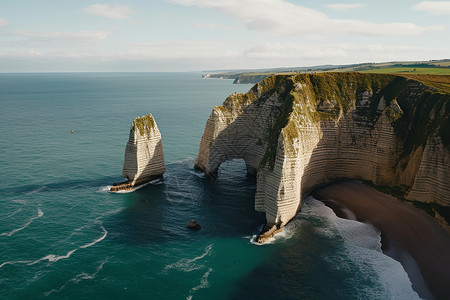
53,258
40,214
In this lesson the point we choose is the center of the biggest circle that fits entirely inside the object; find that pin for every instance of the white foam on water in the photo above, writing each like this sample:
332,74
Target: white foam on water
285,234
14,262
54,258
198,174
362,244
19,201
78,278
105,189
105,233
203,284
189,264
39,214
153,182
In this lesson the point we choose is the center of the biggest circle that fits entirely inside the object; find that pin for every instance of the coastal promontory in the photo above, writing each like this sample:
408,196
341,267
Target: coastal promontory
299,132
144,157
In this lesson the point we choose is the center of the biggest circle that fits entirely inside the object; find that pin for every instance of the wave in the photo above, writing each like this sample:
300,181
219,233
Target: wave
203,284
153,182
285,234
53,257
78,278
105,233
19,201
14,262
359,234
40,214
105,189
361,249
188,265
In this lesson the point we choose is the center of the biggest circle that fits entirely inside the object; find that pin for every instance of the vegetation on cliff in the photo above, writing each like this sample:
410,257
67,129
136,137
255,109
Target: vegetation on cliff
144,124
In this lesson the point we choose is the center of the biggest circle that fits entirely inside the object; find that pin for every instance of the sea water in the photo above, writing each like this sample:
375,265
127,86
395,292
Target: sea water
64,235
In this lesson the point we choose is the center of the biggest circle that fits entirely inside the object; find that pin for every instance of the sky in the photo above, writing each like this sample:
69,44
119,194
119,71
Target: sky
200,35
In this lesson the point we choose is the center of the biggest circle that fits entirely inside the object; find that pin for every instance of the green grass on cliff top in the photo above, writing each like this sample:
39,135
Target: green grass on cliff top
410,70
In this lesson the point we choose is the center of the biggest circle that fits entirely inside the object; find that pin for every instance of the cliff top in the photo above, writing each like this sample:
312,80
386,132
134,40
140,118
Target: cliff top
310,98
440,83
144,124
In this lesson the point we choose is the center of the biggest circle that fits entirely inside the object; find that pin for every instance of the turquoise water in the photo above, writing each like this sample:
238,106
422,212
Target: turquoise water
63,235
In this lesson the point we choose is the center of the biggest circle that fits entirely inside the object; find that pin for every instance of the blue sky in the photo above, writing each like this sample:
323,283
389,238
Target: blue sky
194,35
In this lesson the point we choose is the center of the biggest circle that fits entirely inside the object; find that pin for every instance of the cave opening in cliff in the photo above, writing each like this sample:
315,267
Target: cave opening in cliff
232,169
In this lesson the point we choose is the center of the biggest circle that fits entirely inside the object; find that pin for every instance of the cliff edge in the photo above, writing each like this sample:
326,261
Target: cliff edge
144,157
299,132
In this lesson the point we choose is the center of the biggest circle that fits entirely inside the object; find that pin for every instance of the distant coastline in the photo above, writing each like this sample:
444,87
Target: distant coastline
431,67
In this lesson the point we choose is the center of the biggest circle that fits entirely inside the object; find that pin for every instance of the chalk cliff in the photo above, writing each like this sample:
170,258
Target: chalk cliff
144,157
299,132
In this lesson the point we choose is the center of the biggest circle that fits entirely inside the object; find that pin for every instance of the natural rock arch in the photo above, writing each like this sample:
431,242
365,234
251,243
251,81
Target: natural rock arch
300,132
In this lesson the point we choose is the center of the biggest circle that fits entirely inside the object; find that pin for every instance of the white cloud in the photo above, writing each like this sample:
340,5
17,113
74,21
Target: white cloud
3,22
344,7
74,36
435,7
195,55
279,17
109,11
333,51
179,49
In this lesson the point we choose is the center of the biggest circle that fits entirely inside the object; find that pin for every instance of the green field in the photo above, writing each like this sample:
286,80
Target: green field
411,70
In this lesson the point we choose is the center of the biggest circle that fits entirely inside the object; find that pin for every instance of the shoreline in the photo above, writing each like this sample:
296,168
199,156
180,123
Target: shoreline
408,234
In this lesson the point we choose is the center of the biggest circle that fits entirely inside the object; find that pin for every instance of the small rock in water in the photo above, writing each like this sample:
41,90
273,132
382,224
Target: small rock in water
193,225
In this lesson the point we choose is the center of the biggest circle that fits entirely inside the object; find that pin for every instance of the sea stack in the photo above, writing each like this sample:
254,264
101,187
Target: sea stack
299,132
144,157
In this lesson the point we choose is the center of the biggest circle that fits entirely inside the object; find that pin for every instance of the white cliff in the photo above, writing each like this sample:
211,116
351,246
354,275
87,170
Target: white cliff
144,157
300,132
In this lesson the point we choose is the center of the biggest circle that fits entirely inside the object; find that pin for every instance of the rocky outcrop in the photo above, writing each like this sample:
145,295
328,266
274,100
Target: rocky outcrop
299,132
144,157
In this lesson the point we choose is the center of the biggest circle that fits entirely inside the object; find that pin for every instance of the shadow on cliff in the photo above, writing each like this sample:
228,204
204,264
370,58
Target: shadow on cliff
240,139
149,169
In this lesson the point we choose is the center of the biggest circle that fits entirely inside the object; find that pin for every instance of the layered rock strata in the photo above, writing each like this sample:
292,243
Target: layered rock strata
144,157
299,132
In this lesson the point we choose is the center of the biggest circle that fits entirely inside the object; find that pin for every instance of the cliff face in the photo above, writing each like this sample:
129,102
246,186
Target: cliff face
299,132
144,157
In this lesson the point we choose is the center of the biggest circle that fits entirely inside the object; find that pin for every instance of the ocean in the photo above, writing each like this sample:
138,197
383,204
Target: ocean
63,235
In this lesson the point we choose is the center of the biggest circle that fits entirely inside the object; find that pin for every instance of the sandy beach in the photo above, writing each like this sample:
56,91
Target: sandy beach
408,234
